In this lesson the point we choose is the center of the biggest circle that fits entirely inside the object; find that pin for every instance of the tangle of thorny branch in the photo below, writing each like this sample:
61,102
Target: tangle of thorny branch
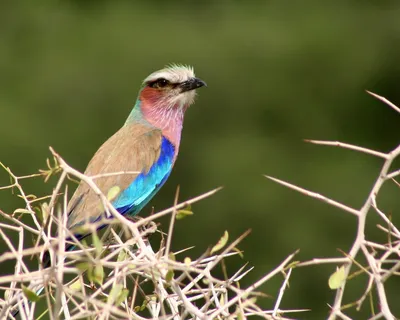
119,275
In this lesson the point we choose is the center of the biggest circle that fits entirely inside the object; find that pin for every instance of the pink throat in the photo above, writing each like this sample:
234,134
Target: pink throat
168,118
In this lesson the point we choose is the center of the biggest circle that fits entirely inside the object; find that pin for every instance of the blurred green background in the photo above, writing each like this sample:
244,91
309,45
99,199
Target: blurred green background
277,72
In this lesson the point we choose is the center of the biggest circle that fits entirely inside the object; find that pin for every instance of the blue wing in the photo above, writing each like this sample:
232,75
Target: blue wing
146,185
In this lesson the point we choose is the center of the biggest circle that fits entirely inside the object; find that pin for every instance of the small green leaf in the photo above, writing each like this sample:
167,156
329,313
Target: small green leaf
292,265
122,255
30,197
337,278
171,256
42,211
98,244
252,300
98,274
113,193
222,300
114,293
29,294
122,296
221,243
22,211
76,285
240,314
45,211
183,213
82,266
90,273
187,261
144,304
169,276
240,252
7,294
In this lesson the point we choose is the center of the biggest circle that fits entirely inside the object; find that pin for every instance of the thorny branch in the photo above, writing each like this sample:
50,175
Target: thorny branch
378,265
109,279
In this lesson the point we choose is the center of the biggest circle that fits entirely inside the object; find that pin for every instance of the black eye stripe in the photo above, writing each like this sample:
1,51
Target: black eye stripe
159,83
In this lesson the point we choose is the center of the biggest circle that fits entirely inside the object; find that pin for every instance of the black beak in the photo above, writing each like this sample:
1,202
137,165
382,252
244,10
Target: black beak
191,84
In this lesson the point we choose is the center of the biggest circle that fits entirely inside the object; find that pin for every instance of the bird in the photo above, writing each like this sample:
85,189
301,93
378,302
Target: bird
145,149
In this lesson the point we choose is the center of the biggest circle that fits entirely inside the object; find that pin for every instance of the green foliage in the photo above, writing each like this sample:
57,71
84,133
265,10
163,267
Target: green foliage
29,294
183,213
98,274
221,243
337,278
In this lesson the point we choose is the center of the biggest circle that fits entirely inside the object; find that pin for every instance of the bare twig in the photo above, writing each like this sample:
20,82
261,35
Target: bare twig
378,274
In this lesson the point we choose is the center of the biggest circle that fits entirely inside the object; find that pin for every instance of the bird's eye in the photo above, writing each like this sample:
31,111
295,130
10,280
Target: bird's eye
159,83
162,82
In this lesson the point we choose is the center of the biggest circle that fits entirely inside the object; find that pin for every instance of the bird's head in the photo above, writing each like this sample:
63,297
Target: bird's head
172,87
163,99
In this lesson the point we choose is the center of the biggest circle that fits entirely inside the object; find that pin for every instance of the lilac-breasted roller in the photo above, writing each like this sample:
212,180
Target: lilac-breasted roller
146,147
147,144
